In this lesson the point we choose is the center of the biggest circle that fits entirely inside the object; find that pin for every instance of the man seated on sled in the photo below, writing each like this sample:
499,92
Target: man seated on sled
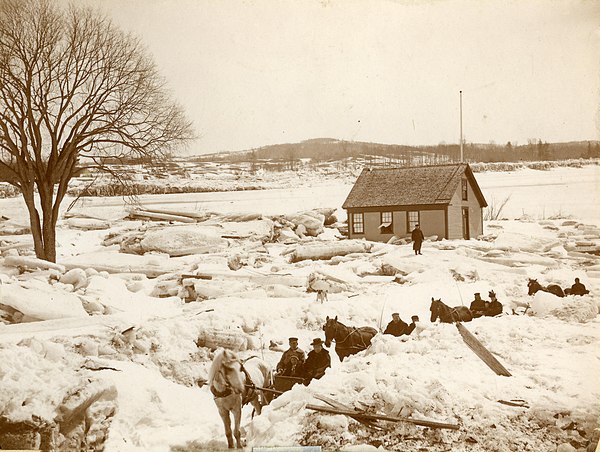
478,306
494,306
397,327
317,361
577,289
290,364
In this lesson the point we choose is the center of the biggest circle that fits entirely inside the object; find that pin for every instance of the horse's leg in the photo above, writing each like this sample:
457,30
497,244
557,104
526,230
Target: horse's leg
237,416
224,413
257,405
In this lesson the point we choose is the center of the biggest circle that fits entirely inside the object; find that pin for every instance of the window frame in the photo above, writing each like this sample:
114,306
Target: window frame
408,220
389,229
360,215
465,189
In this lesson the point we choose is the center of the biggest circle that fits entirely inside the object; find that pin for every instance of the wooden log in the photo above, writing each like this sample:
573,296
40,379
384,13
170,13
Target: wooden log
351,413
161,216
482,352
178,213
149,271
16,246
32,262
325,250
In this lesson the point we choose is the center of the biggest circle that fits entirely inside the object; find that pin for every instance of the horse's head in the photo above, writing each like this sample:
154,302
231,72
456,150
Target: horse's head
226,371
330,329
533,286
435,309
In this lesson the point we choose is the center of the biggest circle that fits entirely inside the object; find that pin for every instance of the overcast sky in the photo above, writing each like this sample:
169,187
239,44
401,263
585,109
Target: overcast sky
251,73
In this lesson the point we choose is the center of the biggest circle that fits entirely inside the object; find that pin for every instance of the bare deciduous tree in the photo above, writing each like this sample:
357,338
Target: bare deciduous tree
71,85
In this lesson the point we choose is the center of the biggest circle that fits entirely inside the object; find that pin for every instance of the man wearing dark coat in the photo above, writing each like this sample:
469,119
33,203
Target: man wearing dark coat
317,361
413,324
577,289
417,238
397,327
478,306
290,364
494,306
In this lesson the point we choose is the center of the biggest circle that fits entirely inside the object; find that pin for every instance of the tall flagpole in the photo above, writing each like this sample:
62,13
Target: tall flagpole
461,131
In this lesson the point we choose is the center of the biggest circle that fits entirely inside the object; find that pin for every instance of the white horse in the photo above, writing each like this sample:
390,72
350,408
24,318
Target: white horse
232,383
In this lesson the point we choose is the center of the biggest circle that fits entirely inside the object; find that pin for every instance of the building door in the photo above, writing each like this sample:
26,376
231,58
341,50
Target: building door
465,223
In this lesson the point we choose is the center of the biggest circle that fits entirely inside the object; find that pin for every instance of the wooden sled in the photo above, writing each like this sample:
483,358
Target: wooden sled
283,384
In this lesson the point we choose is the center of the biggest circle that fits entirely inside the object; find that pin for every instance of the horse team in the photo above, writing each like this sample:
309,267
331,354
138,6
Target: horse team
234,383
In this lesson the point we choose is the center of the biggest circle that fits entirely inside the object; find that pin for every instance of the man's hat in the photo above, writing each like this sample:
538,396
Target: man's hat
317,341
415,317
477,294
293,339
395,314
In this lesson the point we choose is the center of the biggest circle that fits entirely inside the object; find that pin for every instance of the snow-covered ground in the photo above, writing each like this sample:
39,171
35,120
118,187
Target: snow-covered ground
147,377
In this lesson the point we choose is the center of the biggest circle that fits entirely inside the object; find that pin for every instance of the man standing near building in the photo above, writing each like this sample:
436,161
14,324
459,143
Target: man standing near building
417,238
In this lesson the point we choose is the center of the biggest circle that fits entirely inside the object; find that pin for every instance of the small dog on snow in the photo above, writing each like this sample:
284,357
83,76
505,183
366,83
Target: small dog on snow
321,295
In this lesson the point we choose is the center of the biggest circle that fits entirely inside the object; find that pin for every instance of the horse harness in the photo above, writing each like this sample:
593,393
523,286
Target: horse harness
354,330
249,395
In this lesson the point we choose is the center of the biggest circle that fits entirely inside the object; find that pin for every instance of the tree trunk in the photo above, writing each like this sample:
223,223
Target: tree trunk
43,229
34,222
49,220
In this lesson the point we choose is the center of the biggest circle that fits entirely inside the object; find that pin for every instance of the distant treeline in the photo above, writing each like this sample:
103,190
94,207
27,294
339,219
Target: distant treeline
324,149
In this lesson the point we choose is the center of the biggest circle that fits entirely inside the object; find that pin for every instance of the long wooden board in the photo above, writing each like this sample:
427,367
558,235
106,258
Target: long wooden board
482,352
365,416
340,406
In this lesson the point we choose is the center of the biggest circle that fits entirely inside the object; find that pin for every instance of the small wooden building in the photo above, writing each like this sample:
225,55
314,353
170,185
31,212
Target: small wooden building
445,200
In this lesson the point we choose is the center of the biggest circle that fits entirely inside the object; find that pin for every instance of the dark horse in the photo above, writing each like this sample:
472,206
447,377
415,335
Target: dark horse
447,314
534,286
348,340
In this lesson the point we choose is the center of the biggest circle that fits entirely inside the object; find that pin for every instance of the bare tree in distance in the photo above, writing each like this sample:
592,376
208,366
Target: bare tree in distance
73,85
495,208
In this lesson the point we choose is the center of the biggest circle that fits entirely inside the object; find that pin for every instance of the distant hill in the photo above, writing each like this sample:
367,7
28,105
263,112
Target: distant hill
322,149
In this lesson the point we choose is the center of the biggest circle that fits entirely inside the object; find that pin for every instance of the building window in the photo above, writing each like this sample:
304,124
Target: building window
413,219
358,223
465,190
386,226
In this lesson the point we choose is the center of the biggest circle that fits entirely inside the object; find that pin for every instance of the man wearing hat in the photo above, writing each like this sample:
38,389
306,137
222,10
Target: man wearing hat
290,364
414,321
397,327
317,361
417,238
478,306
494,307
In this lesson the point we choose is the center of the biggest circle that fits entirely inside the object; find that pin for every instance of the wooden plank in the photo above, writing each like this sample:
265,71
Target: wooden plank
519,403
352,413
482,352
341,406
185,276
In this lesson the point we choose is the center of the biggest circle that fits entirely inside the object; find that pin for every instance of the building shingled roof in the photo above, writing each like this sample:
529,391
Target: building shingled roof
409,186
